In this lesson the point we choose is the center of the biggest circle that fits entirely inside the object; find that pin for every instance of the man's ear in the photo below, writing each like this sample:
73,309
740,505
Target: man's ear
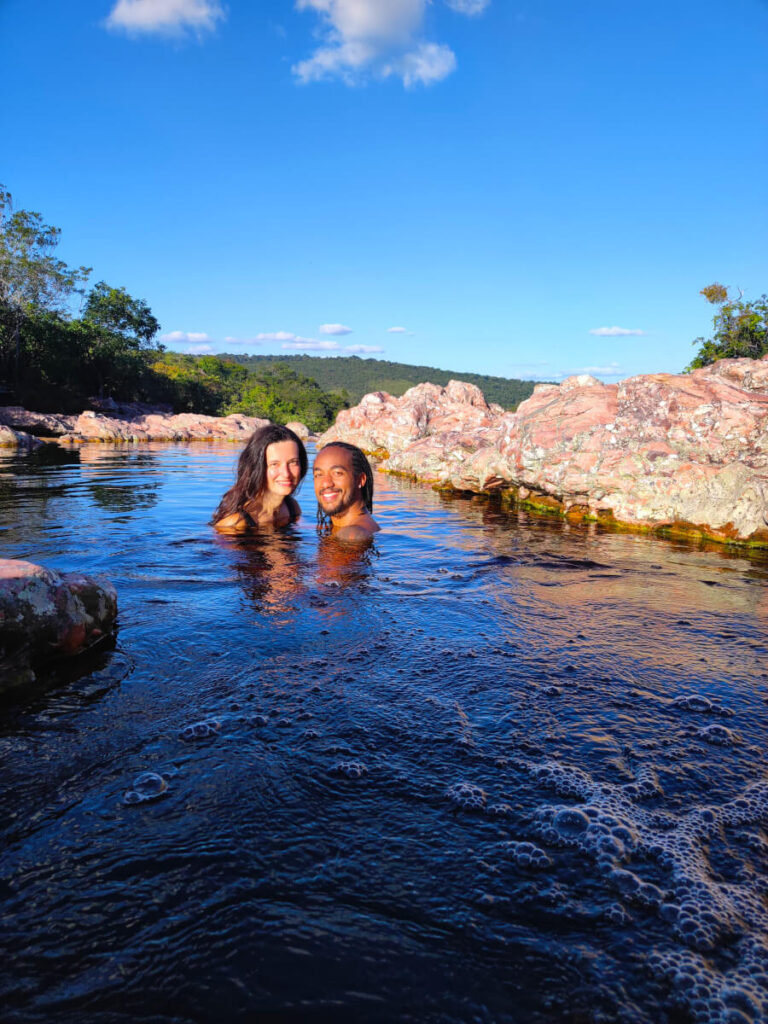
362,480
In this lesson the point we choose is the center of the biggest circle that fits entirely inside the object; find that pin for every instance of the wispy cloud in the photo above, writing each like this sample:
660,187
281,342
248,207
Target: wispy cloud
334,329
177,337
363,348
614,332
611,370
380,38
165,17
313,345
199,350
470,7
397,330
277,336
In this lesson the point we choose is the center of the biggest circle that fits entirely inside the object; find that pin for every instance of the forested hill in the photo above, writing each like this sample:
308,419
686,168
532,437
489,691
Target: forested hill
358,376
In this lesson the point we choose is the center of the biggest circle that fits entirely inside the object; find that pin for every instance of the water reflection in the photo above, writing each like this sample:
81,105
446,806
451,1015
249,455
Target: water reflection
441,772
270,568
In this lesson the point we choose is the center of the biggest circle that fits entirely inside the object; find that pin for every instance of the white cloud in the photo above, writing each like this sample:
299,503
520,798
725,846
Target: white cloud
363,348
179,336
470,7
277,336
614,332
611,370
396,330
313,345
380,38
199,350
334,329
430,63
165,17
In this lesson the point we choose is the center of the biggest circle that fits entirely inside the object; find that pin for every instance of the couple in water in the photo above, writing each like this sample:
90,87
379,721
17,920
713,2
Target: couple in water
270,469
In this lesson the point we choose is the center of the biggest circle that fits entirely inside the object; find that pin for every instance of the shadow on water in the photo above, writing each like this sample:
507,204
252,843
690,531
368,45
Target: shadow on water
493,768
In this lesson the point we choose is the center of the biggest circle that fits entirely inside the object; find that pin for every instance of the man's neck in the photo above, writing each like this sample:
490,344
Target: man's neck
350,516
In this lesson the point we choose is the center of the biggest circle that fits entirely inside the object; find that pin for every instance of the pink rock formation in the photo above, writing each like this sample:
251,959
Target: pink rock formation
686,452
299,429
136,423
92,426
45,424
44,615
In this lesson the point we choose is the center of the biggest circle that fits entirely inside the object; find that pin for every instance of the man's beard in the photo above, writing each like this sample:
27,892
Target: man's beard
340,507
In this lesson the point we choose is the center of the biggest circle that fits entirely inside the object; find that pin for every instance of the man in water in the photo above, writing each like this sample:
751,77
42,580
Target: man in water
344,491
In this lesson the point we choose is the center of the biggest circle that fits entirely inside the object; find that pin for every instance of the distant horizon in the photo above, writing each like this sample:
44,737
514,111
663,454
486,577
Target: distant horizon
532,190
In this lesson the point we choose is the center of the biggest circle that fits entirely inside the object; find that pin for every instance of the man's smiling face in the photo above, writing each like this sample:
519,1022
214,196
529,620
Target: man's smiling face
336,486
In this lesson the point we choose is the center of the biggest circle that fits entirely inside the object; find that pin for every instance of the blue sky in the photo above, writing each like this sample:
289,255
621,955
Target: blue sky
503,181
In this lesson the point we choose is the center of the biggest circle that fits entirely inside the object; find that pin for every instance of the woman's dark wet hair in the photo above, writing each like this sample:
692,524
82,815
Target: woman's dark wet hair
360,464
252,469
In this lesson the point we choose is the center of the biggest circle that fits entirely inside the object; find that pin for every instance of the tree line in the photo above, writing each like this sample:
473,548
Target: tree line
54,360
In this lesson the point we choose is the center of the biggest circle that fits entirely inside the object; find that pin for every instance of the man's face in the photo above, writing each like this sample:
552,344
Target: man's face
336,486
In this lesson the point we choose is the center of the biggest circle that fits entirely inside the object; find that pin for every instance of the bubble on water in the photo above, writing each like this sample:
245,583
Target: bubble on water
718,735
500,810
571,821
467,796
703,705
704,913
200,730
526,855
147,786
350,769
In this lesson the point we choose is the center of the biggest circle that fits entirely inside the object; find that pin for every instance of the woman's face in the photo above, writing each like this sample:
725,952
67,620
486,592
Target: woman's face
283,467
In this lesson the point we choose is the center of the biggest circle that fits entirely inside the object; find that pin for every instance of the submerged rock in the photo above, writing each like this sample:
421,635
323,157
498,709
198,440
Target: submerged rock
45,615
683,453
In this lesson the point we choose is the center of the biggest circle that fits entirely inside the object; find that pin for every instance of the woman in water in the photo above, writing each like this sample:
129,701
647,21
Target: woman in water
271,467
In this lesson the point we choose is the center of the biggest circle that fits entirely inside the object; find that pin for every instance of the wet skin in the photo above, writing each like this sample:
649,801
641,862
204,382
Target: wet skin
339,493
274,506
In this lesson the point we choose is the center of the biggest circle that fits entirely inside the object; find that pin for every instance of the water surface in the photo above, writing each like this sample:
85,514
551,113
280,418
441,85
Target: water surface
495,768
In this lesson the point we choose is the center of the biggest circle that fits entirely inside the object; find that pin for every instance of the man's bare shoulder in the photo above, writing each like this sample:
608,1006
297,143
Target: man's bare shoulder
360,531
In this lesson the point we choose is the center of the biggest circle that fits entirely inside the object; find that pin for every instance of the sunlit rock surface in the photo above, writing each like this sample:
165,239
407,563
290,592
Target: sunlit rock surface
300,429
681,452
44,615
128,423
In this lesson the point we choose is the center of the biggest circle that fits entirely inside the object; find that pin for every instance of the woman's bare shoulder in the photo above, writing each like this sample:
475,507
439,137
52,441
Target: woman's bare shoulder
236,522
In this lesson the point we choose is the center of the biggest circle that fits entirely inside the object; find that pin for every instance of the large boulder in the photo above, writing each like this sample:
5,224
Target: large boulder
685,453
46,615
387,424
10,438
301,430
42,424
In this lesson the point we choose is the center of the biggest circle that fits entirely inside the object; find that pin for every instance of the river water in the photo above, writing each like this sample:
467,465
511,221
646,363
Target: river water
494,769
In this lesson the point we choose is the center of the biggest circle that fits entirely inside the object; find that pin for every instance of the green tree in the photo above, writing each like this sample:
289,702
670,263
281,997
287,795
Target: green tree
33,280
116,333
740,328
116,311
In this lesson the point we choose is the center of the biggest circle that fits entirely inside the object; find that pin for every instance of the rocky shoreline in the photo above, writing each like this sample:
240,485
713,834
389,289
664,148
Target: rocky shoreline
123,423
675,454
